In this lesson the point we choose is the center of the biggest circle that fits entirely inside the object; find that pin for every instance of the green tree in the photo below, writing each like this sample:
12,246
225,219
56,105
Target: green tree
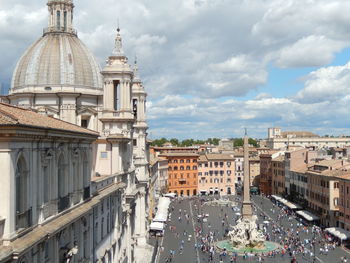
238,142
187,142
174,142
253,142
159,142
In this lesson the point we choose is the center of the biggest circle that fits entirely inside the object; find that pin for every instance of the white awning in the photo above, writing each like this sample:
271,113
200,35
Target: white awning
170,195
338,232
293,206
307,215
276,197
160,217
162,210
157,226
283,201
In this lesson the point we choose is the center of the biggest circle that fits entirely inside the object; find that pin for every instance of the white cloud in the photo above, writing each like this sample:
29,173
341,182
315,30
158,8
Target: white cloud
326,84
310,51
195,61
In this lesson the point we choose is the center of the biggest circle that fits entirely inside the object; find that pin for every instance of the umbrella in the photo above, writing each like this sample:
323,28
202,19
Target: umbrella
238,214
266,222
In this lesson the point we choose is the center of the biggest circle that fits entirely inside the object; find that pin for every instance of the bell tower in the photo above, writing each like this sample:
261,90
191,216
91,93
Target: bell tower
117,117
140,126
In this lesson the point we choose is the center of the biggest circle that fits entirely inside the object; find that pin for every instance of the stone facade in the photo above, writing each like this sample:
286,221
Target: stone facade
281,140
112,103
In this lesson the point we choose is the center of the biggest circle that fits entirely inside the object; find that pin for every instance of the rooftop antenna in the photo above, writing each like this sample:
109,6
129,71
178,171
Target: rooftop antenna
245,131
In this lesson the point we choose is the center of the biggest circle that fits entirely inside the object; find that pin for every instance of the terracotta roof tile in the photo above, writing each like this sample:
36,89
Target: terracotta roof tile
11,115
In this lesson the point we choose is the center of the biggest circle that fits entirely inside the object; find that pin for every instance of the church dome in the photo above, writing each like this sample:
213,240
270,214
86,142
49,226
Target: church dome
58,61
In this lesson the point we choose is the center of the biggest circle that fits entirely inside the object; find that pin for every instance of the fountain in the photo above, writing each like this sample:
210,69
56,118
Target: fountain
245,236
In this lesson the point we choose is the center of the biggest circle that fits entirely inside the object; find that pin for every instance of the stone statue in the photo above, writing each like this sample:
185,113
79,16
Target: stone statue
246,235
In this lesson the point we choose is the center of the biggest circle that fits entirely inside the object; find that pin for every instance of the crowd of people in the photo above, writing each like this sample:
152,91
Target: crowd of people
295,240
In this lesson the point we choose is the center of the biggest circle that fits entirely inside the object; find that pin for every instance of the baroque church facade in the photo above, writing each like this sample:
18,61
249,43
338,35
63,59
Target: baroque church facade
107,175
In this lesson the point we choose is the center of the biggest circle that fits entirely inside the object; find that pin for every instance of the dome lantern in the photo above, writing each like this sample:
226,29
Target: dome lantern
60,17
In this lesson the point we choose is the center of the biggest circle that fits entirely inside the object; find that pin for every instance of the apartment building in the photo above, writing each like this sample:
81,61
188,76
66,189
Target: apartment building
254,171
344,201
216,174
182,173
278,175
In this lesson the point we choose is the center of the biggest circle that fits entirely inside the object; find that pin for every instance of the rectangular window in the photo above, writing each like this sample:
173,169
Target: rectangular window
116,91
58,21
104,155
84,123
65,20
134,107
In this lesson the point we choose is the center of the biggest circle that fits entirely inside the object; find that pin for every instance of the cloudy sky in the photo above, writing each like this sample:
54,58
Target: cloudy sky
213,67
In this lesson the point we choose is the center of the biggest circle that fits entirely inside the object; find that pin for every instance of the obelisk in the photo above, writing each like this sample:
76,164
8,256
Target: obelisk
247,210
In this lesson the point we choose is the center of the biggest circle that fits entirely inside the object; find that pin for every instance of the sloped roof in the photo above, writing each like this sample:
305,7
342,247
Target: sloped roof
219,157
180,154
16,116
300,134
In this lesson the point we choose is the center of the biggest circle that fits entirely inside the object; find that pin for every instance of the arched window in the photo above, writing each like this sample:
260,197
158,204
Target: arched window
182,168
194,167
188,168
175,168
23,216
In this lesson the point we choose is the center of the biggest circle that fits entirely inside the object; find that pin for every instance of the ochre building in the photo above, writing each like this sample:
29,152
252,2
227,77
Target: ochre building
182,173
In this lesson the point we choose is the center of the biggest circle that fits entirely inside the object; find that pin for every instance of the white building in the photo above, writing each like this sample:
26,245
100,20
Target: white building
59,77
281,140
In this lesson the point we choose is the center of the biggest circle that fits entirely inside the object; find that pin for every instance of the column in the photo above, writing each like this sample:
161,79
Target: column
143,218
115,160
128,236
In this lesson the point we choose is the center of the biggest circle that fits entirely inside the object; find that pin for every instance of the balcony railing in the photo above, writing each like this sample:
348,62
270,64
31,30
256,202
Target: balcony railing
24,219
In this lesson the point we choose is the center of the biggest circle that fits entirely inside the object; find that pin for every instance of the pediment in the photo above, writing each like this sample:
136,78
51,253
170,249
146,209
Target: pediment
87,110
47,110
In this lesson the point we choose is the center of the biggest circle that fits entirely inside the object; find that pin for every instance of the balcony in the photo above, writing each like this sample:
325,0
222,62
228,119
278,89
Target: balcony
63,203
182,181
86,192
24,219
